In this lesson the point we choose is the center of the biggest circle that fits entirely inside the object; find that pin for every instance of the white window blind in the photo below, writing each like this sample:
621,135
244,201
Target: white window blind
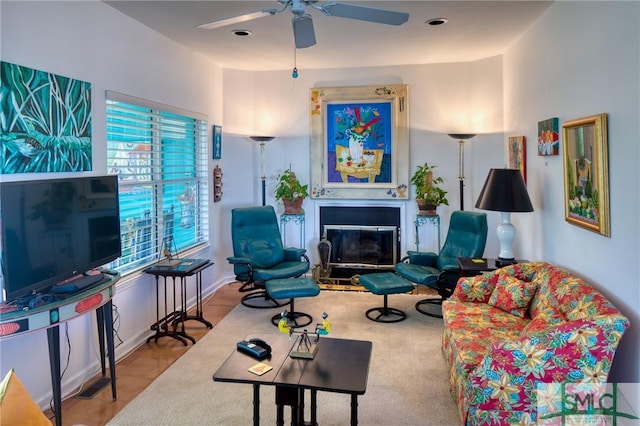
160,156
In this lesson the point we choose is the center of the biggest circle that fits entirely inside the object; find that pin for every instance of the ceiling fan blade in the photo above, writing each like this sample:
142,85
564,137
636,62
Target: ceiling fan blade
234,20
303,32
364,13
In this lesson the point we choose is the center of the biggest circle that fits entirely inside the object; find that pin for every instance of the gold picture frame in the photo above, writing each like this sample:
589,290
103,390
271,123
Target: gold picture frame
359,142
586,173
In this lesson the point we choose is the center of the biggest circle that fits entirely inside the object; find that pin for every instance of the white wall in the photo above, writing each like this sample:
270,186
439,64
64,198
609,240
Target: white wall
580,59
93,42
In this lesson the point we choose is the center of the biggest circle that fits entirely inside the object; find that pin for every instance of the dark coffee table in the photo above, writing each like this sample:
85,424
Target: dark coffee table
340,365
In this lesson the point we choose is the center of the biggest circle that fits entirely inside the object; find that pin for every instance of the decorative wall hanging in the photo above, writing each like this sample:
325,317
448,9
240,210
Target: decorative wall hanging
217,184
217,142
518,155
45,122
548,137
586,173
359,142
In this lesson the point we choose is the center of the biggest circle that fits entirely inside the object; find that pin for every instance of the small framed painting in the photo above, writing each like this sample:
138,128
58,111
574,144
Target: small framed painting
518,155
548,140
217,142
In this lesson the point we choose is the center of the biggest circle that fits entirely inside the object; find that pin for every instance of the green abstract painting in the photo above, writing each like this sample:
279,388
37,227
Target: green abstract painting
45,122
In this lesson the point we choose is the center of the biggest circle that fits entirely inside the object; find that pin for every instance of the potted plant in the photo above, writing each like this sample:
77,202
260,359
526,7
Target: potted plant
428,194
291,192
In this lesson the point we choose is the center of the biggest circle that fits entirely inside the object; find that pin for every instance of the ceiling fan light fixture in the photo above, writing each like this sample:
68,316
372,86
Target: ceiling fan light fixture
241,33
303,31
437,21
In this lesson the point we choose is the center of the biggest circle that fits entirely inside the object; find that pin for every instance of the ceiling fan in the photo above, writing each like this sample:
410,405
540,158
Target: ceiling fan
303,32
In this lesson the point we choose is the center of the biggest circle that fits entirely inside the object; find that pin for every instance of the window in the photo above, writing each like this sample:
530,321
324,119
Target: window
160,156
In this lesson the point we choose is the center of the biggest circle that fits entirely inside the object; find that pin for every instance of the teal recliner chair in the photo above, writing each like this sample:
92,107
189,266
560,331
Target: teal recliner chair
259,256
467,237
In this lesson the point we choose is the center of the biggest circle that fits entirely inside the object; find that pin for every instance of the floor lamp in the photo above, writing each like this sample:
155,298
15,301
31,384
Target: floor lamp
262,140
461,137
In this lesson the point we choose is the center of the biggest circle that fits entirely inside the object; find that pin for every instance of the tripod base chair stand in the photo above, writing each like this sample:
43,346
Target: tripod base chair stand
385,283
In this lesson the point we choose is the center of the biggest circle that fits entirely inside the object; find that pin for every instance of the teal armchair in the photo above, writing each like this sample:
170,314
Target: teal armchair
259,256
467,237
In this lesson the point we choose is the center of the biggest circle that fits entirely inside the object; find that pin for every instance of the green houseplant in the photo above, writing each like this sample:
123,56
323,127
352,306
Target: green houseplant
291,192
428,194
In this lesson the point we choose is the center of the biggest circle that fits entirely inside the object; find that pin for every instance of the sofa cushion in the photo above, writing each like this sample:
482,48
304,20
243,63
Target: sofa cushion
470,328
513,295
543,324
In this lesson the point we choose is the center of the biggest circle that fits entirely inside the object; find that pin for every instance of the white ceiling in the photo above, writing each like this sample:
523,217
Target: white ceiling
476,29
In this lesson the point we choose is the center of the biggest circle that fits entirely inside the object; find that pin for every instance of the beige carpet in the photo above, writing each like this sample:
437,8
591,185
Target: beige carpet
407,384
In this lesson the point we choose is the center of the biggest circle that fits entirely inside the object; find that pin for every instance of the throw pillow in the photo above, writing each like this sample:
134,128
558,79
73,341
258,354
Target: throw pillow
16,405
513,295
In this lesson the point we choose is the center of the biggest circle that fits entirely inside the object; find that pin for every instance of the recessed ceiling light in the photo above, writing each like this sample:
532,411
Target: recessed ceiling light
241,33
437,21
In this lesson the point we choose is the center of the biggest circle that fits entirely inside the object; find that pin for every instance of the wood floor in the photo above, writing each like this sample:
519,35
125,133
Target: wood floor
140,368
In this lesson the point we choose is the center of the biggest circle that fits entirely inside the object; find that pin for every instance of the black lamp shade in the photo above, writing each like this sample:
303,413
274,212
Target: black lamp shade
504,191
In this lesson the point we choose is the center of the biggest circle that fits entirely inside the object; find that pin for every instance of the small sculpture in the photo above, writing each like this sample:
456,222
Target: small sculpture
324,250
306,347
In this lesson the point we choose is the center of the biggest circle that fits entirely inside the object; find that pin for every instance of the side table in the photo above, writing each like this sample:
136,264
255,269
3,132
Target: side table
167,325
64,308
475,266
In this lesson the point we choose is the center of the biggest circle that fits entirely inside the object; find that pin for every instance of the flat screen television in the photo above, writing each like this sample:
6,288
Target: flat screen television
55,229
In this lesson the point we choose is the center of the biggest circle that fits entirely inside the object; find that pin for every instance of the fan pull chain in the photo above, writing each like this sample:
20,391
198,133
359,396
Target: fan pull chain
294,73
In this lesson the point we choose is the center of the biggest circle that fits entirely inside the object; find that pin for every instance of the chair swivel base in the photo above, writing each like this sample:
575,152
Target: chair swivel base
422,305
385,283
386,314
261,300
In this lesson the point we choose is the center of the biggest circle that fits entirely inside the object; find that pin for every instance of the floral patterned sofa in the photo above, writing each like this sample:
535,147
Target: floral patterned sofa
507,330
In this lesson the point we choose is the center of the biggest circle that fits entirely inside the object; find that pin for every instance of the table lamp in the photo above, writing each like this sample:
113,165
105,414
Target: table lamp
461,137
262,140
504,191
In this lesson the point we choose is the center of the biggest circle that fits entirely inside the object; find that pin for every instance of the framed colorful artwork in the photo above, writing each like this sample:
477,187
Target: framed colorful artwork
217,142
586,173
548,140
45,122
518,155
359,142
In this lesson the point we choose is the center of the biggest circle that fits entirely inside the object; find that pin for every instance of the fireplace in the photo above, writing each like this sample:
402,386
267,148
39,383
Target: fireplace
363,239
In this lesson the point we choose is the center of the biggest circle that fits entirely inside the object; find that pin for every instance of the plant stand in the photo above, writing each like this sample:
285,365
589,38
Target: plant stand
422,220
296,219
